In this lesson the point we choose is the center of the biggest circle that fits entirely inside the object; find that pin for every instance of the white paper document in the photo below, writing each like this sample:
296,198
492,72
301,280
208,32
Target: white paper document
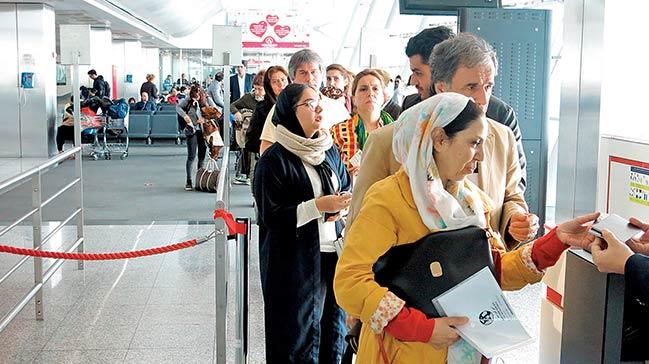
355,161
493,327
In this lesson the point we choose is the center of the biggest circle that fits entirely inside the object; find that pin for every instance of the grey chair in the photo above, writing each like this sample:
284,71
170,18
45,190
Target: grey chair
165,126
139,125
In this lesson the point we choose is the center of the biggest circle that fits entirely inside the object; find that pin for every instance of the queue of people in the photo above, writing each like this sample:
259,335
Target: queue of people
369,169
451,157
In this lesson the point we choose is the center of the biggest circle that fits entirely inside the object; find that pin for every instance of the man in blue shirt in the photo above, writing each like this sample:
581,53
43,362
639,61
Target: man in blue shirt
166,84
144,103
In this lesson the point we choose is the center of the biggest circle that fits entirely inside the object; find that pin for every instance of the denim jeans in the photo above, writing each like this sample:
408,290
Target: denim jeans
194,143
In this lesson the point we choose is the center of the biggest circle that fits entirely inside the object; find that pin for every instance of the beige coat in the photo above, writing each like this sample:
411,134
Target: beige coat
498,174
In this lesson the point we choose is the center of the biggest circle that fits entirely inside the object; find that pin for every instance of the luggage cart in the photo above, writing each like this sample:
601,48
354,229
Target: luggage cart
91,130
114,137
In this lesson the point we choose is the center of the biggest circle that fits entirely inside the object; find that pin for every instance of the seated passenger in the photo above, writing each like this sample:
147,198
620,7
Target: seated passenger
438,142
367,97
297,231
144,103
173,96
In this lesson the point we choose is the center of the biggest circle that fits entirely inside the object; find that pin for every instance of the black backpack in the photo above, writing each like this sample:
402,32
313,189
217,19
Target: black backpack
106,89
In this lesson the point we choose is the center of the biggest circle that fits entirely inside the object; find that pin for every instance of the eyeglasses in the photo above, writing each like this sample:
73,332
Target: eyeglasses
311,103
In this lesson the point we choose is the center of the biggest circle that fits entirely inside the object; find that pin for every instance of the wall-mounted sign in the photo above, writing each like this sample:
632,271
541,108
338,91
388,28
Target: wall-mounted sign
271,29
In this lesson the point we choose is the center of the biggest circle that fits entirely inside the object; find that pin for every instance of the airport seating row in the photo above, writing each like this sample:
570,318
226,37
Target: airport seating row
151,126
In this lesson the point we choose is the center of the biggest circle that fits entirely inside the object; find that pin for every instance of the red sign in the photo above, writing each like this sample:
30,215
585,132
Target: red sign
282,30
288,30
272,19
270,42
258,29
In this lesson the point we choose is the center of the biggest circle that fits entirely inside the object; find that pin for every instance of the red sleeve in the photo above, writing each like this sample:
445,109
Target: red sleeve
411,325
547,250
497,264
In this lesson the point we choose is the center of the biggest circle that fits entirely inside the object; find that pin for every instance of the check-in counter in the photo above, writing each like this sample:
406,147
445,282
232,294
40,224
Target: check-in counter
602,324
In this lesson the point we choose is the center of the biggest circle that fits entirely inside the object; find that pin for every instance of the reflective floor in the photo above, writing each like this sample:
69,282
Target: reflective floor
157,309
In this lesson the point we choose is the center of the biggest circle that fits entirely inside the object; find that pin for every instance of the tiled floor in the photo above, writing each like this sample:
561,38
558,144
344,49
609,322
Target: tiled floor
156,309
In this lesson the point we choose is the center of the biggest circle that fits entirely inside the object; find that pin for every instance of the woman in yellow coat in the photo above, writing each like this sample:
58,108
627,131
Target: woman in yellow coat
439,143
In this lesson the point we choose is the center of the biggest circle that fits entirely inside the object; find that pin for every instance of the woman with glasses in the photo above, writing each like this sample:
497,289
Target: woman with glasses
350,136
300,187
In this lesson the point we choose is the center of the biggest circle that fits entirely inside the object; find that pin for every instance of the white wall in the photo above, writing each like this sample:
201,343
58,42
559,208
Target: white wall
624,78
128,58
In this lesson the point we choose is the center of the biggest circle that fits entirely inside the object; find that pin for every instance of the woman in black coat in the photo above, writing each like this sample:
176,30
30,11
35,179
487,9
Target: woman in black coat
300,187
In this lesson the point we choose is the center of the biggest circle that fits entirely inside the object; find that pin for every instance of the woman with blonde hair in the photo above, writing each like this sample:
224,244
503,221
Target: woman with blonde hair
149,87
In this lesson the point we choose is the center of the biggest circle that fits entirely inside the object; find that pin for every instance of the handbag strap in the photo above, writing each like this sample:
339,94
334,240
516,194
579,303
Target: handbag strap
384,355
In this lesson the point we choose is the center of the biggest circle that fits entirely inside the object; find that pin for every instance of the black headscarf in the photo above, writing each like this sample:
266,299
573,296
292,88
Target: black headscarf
285,116
285,108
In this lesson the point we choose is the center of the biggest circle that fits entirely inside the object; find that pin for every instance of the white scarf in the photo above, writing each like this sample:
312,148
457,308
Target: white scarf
412,146
311,151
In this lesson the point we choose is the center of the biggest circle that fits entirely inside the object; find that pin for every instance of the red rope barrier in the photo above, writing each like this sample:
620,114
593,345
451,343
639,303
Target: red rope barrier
233,228
97,256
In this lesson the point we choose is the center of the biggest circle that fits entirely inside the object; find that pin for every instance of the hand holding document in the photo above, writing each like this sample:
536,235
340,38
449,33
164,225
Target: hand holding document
493,328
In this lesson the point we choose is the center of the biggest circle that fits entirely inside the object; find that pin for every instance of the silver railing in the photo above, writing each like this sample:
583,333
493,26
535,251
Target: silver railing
34,176
222,271
221,257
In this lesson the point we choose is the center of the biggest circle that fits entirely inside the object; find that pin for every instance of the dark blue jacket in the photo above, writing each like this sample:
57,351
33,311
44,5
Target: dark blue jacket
636,275
148,106
235,93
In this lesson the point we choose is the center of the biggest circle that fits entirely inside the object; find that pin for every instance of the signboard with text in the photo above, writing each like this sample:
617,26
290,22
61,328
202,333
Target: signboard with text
280,30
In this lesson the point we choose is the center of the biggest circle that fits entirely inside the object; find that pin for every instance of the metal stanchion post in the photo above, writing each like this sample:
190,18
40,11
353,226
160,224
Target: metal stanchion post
221,276
37,223
226,98
79,155
243,247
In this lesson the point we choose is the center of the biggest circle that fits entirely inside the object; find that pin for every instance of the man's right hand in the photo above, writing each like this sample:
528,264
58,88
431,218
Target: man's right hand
445,334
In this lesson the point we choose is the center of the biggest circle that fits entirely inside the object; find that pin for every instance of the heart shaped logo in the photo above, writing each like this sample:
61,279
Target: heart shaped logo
272,19
258,29
282,30
269,41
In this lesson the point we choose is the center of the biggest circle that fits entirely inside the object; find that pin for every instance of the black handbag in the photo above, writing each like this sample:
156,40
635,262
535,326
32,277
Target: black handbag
421,271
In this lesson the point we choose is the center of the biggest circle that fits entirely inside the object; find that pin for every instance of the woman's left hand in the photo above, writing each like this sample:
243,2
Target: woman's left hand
523,227
575,231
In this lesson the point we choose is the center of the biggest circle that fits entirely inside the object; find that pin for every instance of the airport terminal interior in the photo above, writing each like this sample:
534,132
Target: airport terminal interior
141,223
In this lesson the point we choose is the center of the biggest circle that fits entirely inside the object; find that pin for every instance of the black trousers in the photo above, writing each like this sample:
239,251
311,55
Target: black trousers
63,133
319,342
195,143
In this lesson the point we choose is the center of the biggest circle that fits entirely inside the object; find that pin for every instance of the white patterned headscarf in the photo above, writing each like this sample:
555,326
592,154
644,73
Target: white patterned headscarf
412,146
